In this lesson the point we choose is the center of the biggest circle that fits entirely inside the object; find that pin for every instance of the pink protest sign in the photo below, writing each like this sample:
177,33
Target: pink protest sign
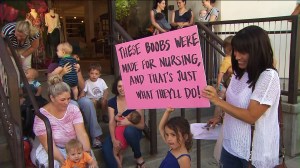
163,70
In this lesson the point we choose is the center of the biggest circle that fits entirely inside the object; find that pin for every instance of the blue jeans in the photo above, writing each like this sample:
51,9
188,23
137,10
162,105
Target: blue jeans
230,161
132,136
89,112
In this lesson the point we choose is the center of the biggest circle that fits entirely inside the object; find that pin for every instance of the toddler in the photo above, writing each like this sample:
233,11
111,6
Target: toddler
76,157
176,133
64,51
35,86
134,117
202,14
225,70
96,89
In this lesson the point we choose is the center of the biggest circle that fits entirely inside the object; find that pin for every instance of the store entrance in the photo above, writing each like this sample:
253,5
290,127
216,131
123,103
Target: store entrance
85,25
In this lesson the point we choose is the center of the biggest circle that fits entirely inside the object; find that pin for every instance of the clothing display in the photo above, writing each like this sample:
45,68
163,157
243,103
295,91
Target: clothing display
38,59
53,36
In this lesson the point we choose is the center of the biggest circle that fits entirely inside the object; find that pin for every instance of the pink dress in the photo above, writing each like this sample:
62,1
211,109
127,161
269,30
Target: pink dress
119,133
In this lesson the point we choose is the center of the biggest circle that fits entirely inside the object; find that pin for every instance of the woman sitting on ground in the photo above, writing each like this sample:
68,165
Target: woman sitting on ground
66,123
133,132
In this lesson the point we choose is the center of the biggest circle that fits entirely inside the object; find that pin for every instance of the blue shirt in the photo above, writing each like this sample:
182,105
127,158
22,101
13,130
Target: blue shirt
170,161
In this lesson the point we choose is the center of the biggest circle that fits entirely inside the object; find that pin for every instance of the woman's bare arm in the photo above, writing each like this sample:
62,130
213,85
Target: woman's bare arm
34,45
82,136
57,154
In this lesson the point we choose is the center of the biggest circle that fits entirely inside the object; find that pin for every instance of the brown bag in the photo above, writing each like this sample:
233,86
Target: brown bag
280,122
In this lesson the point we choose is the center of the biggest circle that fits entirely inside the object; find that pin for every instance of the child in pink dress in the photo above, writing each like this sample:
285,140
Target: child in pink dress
134,117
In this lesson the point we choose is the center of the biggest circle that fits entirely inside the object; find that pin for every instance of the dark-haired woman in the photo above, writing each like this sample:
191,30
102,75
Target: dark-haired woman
212,12
251,98
182,17
161,25
133,133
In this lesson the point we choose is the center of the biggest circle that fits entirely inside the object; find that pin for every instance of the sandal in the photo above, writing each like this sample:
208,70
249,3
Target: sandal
140,165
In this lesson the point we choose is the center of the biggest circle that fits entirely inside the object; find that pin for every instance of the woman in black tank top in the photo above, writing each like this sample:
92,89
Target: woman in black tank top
182,17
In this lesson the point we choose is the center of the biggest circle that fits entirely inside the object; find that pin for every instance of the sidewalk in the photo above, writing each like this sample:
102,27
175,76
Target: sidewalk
293,162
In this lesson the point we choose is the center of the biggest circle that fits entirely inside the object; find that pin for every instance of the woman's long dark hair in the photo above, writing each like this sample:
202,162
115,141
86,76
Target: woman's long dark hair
182,126
114,88
155,3
254,41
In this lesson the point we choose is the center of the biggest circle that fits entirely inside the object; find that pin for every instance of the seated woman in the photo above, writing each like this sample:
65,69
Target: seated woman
66,123
182,17
133,133
85,104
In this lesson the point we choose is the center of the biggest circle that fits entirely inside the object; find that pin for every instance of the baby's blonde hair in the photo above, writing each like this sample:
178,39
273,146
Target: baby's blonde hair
34,71
66,47
73,144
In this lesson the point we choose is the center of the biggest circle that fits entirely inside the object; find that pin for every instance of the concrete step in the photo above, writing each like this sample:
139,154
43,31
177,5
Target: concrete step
6,165
4,148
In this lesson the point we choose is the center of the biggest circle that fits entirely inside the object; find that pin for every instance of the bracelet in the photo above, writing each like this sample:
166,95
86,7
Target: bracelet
221,116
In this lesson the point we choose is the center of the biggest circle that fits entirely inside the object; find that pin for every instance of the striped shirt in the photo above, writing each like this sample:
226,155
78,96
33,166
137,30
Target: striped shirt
70,78
63,129
9,32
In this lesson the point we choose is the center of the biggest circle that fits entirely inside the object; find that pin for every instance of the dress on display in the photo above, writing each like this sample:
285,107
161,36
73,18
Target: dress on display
39,55
53,36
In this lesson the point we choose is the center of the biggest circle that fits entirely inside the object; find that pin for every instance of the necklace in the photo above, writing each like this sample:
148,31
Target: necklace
52,16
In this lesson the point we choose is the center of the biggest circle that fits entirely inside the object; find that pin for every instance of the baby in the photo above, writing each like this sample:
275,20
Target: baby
35,86
202,14
76,157
163,23
64,51
134,117
96,89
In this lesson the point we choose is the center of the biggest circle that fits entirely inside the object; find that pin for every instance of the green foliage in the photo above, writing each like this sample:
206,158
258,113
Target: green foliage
123,8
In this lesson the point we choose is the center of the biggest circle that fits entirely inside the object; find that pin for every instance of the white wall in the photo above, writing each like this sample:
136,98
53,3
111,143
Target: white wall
232,10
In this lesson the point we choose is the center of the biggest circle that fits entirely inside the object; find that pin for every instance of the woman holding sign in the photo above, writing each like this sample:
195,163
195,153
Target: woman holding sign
182,17
252,98
117,106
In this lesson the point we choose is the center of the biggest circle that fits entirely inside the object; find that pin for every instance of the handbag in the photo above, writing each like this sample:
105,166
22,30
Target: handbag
282,150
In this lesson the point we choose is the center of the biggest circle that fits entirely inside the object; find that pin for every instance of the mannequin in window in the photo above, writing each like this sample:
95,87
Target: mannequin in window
53,24
35,19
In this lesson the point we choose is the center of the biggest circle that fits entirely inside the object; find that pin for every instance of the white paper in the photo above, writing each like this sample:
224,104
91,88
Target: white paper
202,133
